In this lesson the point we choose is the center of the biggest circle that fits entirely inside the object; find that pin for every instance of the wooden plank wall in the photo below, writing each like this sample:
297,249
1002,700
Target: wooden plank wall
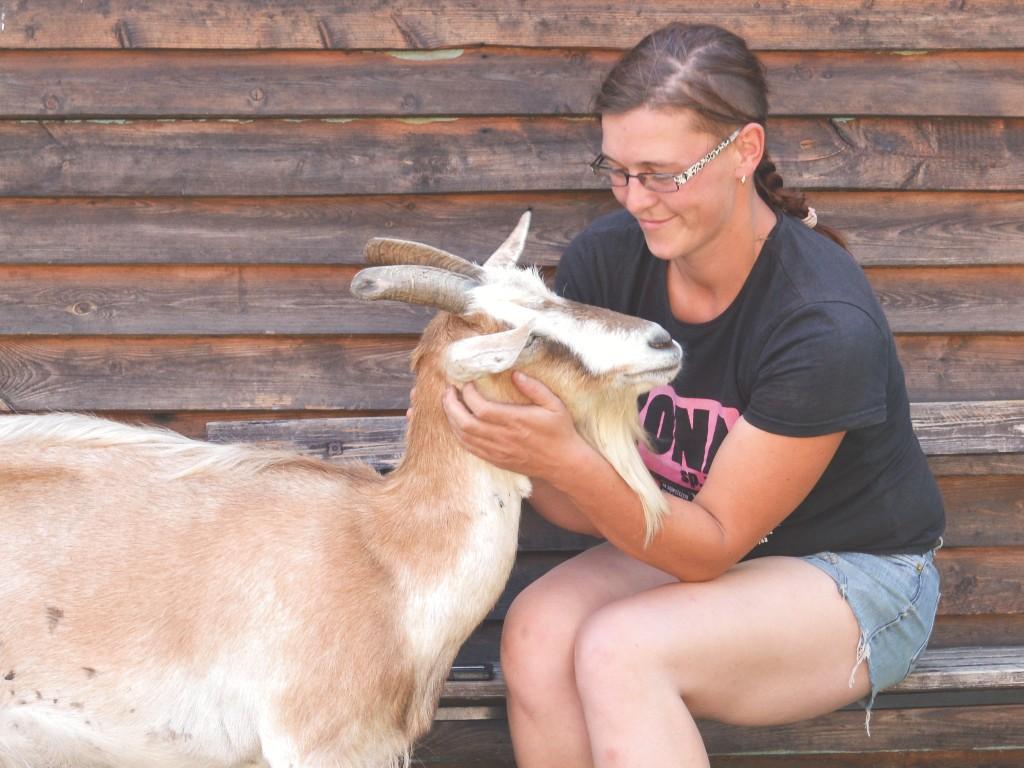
186,187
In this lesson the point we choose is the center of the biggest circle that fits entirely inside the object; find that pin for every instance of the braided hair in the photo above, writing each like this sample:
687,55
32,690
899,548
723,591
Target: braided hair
710,72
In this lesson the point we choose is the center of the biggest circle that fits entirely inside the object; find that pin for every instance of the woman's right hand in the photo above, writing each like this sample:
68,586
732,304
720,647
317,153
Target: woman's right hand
537,439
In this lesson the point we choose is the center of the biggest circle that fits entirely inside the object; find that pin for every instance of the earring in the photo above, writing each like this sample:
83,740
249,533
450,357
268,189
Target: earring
743,179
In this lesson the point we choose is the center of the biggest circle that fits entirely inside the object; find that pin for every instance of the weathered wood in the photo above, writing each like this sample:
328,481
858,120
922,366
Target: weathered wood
960,300
966,669
941,669
480,81
949,428
373,156
293,230
949,632
987,630
975,581
981,581
88,374
992,630
980,464
958,428
983,511
273,299
934,728
961,367
826,24
970,758
883,228
927,228
194,300
372,373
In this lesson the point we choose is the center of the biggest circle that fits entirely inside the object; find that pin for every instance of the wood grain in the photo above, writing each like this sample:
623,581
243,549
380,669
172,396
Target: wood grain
362,373
823,24
942,428
480,81
883,228
278,299
935,728
477,154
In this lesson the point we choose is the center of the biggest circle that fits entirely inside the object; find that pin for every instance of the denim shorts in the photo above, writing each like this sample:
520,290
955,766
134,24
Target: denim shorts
894,598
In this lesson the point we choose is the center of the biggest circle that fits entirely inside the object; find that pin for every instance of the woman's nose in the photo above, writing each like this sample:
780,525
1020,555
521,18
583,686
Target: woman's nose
635,196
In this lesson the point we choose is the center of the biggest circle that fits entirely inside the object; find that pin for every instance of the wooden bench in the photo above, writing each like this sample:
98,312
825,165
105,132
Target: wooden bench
965,697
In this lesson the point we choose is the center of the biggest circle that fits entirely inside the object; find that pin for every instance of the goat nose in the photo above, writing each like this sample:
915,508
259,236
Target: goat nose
660,339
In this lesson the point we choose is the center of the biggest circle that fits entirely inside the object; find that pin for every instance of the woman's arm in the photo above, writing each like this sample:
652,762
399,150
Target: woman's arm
558,508
757,480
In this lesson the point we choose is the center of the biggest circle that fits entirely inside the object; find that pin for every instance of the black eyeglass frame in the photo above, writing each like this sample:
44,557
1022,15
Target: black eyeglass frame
679,179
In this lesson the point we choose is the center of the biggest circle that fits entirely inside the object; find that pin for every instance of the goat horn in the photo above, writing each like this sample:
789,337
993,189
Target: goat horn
414,285
388,251
508,253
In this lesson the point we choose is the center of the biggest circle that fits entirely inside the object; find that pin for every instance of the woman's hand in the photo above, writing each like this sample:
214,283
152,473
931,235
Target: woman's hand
537,440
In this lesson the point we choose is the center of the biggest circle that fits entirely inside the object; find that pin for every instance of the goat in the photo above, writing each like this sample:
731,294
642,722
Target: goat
169,602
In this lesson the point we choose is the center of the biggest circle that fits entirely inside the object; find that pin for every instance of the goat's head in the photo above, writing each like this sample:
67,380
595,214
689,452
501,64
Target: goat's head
597,361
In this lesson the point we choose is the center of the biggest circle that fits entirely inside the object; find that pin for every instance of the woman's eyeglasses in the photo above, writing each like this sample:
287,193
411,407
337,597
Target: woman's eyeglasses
657,182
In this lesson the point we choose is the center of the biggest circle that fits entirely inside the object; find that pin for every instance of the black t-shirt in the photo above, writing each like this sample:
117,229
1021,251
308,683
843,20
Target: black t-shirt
803,350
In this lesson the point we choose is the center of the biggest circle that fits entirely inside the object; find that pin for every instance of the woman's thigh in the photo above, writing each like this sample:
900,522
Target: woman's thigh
541,625
768,642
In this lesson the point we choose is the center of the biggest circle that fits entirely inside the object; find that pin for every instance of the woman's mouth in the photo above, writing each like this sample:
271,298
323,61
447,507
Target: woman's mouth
652,224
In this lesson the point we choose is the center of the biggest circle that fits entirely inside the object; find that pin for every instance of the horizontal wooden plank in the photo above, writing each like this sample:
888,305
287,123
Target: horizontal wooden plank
956,300
590,23
293,230
929,728
368,373
195,300
978,465
277,299
950,632
947,428
88,374
975,581
966,669
958,428
883,228
941,669
955,367
967,758
396,156
981,581
983,511
481,81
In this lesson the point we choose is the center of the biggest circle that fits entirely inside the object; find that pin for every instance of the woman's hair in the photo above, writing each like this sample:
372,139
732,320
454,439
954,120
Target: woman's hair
711,73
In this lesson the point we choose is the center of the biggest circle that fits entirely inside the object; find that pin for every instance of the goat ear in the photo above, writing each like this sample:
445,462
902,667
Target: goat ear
508,253
477,356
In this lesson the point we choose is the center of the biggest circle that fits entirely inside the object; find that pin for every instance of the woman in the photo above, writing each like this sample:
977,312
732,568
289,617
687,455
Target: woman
794,573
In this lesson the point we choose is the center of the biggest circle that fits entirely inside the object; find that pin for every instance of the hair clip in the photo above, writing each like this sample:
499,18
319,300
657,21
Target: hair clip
811,219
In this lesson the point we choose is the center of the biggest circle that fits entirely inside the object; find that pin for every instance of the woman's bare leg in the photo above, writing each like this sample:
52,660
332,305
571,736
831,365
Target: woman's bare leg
769,642
537,652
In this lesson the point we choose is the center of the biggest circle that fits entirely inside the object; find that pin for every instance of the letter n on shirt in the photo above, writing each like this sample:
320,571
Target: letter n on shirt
686,433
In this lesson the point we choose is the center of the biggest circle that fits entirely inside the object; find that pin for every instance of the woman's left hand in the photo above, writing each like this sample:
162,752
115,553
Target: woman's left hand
536,440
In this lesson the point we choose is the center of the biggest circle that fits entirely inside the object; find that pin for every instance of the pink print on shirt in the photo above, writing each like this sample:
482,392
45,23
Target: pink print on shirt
686,432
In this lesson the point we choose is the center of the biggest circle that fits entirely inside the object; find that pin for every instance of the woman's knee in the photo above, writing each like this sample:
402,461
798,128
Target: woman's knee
537,639
610,649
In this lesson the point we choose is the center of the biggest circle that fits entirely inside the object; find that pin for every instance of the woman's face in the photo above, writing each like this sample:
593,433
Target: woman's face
674,223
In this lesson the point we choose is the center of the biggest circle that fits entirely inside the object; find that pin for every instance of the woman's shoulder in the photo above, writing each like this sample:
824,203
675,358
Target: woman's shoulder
817,269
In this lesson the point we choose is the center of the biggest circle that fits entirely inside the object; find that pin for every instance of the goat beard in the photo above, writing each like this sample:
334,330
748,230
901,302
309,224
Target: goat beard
613,428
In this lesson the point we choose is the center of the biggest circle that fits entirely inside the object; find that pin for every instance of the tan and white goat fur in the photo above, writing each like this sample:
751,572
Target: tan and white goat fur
168,602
